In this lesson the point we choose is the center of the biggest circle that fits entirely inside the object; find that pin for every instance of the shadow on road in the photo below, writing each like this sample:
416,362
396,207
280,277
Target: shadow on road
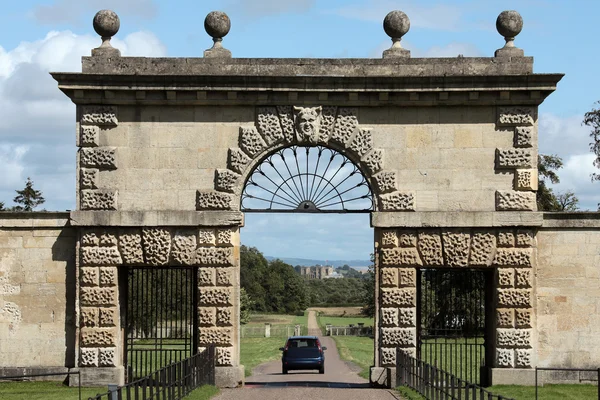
332,385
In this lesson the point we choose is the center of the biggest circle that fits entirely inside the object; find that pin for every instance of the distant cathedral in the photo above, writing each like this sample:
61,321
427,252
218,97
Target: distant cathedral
315,272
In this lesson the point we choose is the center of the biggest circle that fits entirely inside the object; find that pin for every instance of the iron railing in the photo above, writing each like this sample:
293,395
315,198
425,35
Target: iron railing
434,383
172,382
568,376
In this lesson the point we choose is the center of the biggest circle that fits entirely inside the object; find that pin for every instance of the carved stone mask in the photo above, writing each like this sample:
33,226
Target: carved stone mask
308,120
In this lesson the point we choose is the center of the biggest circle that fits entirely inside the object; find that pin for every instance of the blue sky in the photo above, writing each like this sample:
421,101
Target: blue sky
37,121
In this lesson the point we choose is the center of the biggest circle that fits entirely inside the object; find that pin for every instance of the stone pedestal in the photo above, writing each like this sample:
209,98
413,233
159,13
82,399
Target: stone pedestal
229,377
92,376
513,376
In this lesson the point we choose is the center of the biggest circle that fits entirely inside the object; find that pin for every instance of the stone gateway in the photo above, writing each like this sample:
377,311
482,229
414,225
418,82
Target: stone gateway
448,147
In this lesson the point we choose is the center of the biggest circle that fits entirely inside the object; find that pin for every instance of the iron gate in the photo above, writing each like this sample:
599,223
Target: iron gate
452,305
160,319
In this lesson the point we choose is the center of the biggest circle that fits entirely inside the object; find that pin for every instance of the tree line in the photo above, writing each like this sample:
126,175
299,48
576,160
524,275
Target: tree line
26,200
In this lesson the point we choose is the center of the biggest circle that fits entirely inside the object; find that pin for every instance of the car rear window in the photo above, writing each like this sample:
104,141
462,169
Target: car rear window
297,343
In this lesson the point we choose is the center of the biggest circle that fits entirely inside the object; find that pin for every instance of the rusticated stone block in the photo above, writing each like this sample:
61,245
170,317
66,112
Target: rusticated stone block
90,239
483,247
525,238
385,181
407,238
526,179
505,317
225,316
398,337
226,180
89,136
238,160
397,201
516,116
400,257
517,298
523,277
407,277
269,126
108,276
95,296
88,178
328,114
108,316
215,297
389,238
98,337
222,256
388,356
509,200
108,240
107,357
183,251
207,237
523,318
398,297
389,316
89,276
222,336
430,248
506,277
130,245
89,317
224,356
207,316
224,276
456,248
513,337
523,359
406,317
345,125
389,277
362,142
505,358
157,245
373,161
210,200
225,237
206,276
88,357
514,158
506,239
286,118
251,142
99,115
524,136
514,257
100,256
98,157
98,199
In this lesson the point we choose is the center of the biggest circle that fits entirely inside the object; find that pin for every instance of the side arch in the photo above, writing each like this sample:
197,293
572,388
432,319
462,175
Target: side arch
278,127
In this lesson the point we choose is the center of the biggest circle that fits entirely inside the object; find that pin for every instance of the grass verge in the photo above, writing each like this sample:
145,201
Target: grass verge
409,394
255,351
547,392
357,349
45,391
203,393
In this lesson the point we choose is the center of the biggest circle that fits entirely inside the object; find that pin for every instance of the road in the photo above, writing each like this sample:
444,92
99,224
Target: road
339,382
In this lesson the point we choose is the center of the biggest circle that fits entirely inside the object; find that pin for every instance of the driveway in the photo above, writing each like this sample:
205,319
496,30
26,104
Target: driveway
340,381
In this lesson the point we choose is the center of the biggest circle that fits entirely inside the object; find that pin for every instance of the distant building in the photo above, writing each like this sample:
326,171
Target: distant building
315,272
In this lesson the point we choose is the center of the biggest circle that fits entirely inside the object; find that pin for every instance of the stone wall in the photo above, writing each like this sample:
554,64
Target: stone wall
37,293
462,158
568,293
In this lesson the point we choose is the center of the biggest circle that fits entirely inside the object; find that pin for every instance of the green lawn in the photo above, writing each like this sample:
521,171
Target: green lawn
462,360
203,393
45,391
255,351
357,349
548,392
344,321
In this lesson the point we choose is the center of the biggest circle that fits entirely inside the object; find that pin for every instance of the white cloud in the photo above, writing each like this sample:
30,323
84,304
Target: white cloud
38,121
69,11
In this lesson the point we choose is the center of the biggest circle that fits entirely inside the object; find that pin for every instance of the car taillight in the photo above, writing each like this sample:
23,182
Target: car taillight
319,345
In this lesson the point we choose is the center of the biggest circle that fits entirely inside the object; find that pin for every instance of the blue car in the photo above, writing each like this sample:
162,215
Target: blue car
303,352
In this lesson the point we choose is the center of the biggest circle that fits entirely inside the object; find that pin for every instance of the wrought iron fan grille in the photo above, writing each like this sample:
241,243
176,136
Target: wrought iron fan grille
307,179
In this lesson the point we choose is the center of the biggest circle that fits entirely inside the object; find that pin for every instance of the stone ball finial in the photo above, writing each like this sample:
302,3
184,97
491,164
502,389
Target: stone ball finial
217,24
106,23
509,24
396,24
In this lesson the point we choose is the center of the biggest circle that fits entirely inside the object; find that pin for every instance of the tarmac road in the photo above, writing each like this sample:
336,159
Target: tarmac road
339,382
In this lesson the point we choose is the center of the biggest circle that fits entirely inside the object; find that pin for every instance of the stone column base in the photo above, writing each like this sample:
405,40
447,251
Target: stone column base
383,377
93,376
229,377
513,376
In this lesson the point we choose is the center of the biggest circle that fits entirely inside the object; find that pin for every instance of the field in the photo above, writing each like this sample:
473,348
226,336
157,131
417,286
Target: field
358,350
277,319
337,311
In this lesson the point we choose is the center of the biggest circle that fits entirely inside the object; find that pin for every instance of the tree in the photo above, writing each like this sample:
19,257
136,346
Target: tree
567,201
2,206
28,198
245,306
547,167
592,119
369,291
